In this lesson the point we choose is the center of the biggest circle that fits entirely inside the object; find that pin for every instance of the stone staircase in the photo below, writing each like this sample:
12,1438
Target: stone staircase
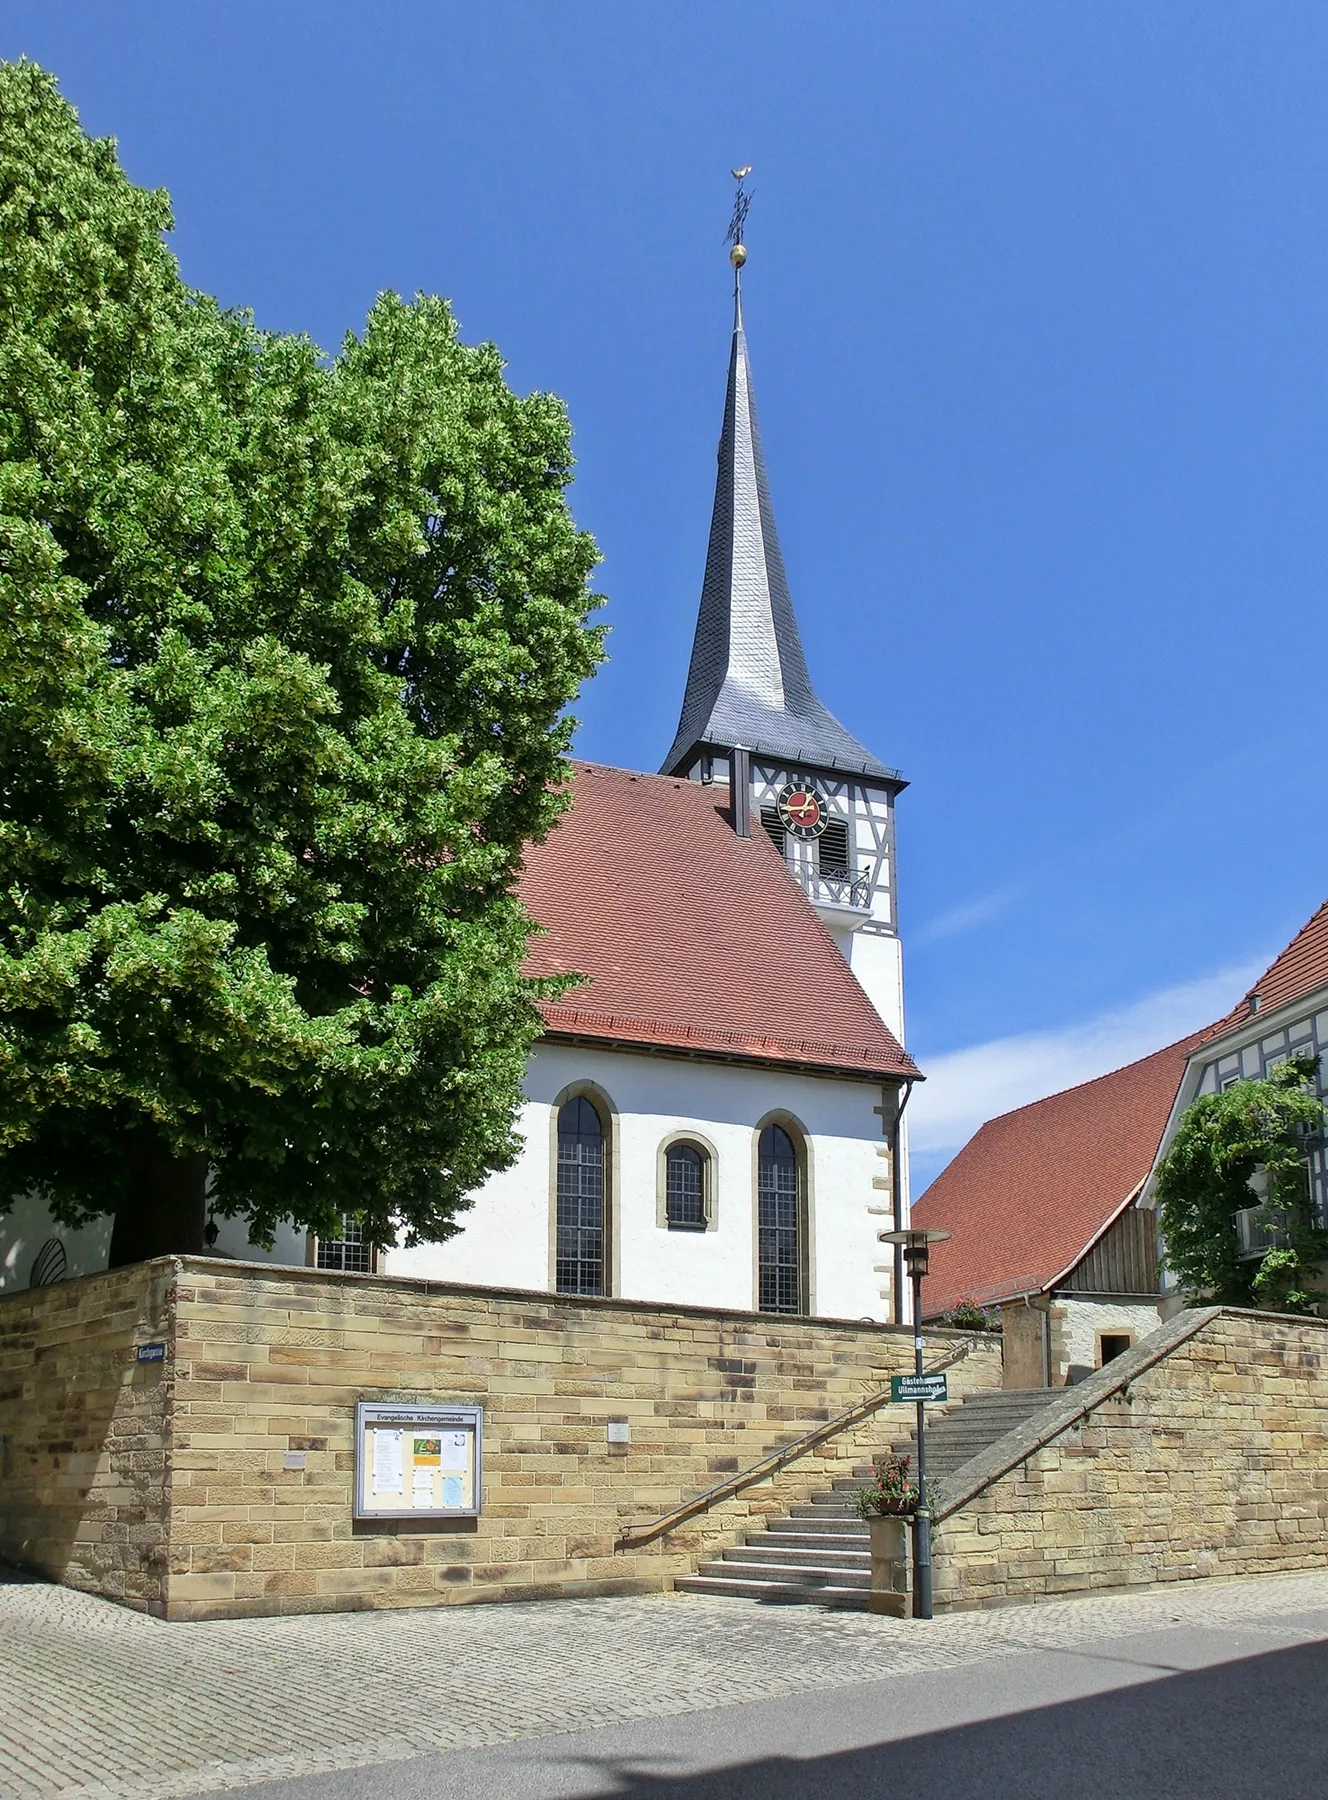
819,1553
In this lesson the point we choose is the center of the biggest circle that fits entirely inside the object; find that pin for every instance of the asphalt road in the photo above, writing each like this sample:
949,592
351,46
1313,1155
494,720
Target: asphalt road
1185,1713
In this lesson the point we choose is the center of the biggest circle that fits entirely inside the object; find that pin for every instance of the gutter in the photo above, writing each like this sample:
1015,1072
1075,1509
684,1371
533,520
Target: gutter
897,1207
705,1053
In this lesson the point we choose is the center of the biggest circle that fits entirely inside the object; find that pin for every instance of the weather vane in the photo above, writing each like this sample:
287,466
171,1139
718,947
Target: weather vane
741,201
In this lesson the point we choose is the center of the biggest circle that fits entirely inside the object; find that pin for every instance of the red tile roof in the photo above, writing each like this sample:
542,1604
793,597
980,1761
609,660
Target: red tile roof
1031,1192
693,938
1300,969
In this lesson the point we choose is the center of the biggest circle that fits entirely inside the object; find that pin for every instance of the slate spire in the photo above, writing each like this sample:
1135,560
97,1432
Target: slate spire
747,685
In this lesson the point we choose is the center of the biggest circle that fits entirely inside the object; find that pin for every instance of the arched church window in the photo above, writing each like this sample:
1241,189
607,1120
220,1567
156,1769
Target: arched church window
582,1185
780,1226
686,1168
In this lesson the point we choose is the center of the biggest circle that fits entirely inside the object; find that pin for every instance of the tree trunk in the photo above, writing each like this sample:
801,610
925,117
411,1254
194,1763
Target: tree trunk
166,1209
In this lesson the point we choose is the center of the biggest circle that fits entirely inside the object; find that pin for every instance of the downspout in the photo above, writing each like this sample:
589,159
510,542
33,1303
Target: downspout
897,1206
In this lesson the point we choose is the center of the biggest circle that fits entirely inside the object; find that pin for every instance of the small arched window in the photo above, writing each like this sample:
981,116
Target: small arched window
581,1196
686,1169
780,1222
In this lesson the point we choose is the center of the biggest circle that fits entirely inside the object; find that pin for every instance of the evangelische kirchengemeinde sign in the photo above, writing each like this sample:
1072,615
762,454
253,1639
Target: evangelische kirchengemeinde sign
918,1387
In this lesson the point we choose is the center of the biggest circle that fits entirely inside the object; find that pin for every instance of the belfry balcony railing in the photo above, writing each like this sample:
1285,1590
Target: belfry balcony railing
839,887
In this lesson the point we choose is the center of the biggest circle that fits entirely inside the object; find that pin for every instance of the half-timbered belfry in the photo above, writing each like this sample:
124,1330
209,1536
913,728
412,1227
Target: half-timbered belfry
750,716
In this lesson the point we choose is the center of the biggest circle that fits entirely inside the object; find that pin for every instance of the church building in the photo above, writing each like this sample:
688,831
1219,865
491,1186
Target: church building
714,1116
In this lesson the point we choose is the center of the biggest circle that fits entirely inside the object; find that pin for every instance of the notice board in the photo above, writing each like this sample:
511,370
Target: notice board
417,1462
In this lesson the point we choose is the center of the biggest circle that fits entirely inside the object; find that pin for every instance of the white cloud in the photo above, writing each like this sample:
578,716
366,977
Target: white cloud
965,1088
965,918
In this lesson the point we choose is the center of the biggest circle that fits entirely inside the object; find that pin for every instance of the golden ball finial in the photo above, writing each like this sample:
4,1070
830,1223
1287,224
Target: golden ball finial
738,255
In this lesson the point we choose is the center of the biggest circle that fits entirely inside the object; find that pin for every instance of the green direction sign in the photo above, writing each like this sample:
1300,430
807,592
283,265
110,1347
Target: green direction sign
918,1387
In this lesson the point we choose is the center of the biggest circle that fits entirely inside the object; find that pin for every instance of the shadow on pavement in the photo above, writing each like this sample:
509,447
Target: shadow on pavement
1255,1729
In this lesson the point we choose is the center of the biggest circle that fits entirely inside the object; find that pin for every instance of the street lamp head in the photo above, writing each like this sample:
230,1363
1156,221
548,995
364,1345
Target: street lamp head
916,1244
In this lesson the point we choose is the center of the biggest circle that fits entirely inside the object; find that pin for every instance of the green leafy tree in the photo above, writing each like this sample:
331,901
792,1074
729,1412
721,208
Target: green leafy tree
1203,1181
285,648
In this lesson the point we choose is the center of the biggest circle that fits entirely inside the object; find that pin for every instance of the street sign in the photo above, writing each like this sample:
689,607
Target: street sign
150,1353
918,1387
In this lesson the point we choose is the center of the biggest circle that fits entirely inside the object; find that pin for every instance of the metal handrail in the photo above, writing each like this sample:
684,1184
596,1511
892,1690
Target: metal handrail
636,1535
845,888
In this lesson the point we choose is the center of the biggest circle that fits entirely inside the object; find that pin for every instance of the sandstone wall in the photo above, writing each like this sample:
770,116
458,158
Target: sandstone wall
1203,1452
270,1361
85,1430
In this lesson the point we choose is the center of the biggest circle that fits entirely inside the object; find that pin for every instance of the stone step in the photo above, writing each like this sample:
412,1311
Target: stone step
828,1542
786,1557
978,1425
976,1422
949,1451
820,1554
832,1525
1011,1396
789,1592
808,1575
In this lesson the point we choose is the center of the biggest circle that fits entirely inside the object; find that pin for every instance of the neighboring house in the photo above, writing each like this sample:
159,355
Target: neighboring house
1052,1206
1043,1204
714,1117
1284,1014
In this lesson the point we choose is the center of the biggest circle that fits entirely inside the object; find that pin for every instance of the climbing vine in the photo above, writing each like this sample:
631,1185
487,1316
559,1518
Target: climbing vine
1204,1181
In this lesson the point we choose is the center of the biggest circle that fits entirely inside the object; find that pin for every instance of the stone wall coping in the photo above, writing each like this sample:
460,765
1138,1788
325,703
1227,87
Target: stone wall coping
1058,1416
224,1266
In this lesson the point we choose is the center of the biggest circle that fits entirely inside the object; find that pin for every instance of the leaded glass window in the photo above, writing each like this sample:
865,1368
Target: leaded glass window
684,1187
779,1206
350,1254
581,1193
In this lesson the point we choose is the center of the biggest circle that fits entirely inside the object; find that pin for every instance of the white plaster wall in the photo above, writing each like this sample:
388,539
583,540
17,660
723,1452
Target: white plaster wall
877,960
507,1238
1085,1318
28,1225
289,1245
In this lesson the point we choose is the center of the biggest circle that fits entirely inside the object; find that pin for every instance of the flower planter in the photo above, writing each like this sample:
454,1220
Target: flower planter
889,1533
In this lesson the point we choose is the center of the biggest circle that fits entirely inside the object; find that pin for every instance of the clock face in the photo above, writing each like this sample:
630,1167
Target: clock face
802,811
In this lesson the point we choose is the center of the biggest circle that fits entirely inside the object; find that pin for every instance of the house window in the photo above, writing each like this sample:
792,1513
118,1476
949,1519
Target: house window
349,1254
686,1168
780,1223
579,1250
1110,1345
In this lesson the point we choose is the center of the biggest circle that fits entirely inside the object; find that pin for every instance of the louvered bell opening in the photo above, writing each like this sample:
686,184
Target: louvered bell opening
773,829
834,849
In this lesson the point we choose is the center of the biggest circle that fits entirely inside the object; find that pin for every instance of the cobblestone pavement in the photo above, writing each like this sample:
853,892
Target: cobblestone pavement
109,1703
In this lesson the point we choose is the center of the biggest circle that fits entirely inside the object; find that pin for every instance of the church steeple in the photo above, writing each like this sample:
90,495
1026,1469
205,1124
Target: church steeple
747,685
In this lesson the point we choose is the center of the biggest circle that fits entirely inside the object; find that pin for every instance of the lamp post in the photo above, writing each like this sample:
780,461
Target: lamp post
916,1245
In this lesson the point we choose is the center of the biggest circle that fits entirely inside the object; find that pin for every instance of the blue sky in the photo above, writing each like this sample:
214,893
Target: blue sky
1036,303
